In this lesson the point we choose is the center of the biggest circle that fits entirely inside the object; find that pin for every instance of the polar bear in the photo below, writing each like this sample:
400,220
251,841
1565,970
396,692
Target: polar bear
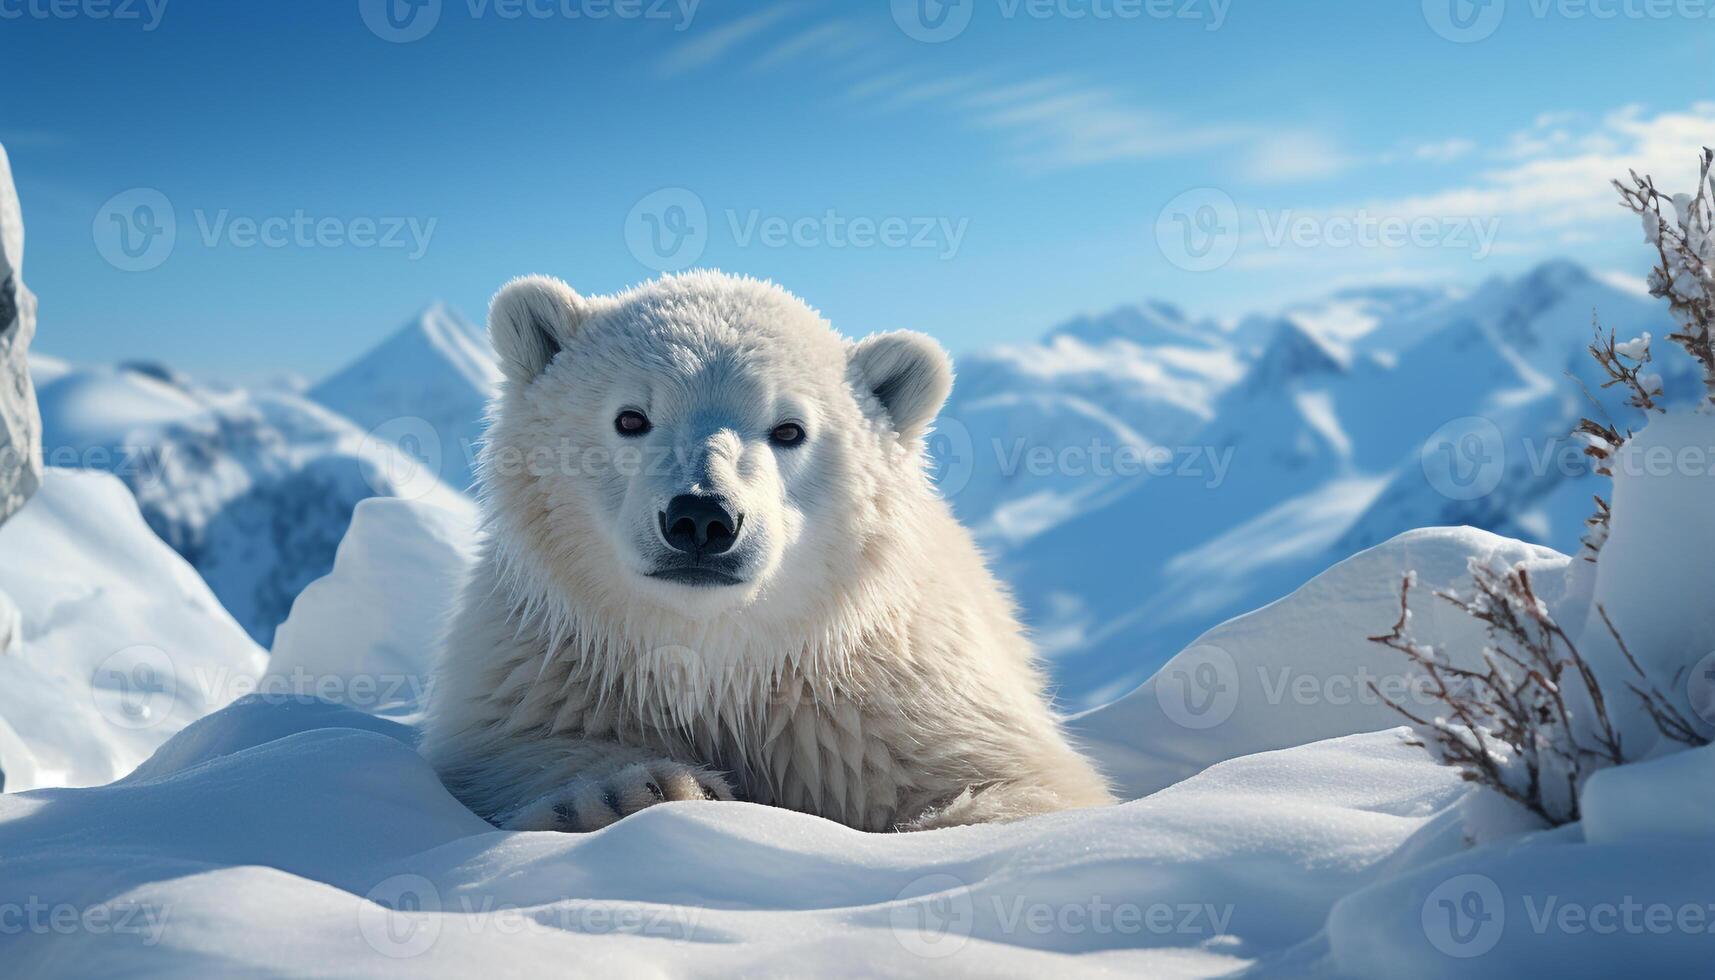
714,567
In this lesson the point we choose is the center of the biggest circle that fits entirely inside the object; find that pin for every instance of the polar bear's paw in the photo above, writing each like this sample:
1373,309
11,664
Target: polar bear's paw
591,804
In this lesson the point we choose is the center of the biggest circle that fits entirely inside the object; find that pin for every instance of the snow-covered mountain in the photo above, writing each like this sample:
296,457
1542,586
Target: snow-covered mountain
253,488
437,370
1330,427
1138,474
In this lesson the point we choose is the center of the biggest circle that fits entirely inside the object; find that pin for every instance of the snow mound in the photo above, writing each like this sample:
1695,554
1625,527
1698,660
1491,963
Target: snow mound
1299,669
365,635
298,837
119,646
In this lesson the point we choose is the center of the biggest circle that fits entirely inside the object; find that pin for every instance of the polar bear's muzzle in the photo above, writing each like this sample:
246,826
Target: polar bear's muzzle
701,531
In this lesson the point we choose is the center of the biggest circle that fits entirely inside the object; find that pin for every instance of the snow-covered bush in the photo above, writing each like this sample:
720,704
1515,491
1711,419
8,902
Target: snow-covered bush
1535,722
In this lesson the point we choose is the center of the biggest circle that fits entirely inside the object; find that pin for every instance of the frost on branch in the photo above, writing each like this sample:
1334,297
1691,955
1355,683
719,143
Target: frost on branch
1683,235
1533,723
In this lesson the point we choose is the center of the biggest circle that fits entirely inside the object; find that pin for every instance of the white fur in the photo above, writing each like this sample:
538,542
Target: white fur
870,669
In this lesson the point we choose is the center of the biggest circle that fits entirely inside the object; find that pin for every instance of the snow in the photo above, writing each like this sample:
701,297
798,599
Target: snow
1217,621
120,646
349,638
435,374
282,840
1346,422
254,488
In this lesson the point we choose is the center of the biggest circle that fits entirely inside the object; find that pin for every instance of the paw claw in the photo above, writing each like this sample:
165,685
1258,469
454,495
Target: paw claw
587,805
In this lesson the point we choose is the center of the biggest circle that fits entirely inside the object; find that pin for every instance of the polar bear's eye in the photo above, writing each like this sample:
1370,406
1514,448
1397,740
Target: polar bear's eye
631,423
787,434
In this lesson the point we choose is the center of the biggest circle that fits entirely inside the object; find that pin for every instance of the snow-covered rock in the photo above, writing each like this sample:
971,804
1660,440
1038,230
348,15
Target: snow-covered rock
425,387
20,425
255,489
120,643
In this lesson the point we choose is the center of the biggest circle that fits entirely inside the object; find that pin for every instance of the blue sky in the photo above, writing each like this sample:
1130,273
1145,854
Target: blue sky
325,178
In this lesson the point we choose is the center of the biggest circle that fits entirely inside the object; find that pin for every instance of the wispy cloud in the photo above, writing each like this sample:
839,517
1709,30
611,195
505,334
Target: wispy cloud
834,36
1557,171
1541,190
1294,156
1055,124
1444,151
709,48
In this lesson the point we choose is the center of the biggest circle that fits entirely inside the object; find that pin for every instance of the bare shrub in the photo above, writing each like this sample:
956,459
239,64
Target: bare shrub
1534,723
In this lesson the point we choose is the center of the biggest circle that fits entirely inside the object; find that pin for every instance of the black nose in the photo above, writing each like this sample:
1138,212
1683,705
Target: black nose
695,524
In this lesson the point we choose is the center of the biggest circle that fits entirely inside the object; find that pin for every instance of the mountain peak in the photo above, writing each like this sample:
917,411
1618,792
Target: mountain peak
1293,353
437,368
1150,323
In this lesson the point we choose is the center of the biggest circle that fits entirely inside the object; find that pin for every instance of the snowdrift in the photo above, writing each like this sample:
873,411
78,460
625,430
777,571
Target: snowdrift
119,645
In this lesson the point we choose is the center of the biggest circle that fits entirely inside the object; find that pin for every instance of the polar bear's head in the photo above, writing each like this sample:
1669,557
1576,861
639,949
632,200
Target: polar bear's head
701,445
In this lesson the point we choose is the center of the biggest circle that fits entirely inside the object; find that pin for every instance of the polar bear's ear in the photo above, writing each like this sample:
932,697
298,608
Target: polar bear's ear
909,375
529,321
